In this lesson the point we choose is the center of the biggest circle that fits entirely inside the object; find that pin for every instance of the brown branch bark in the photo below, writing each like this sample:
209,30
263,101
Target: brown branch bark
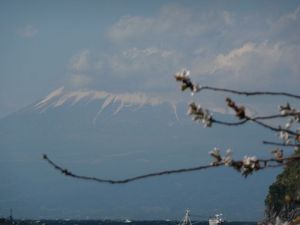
280,144
249,93
66,172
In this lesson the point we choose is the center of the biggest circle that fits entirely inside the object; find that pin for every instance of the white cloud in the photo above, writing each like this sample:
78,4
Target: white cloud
260,65
239,59
139,62
127,26
80,80
146,64
80,67
80,62
28,31
228,18
233,61
174,23
288,21
230,48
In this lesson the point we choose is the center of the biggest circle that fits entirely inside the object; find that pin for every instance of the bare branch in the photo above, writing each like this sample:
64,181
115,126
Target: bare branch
249,93
277,129
187,83
127,180
240,112
229,123
275,116
235,164
280,144
253,118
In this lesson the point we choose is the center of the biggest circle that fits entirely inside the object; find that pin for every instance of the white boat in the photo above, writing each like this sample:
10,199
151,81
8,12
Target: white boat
216,220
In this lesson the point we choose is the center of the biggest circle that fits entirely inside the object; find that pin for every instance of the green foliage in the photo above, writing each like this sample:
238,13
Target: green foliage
284,193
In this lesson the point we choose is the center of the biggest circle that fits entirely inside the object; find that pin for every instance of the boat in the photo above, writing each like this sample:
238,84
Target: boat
217,219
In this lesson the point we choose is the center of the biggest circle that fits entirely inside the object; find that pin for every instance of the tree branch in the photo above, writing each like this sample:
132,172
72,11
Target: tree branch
187,83
265,162
275,116
253,118
248,93
271,127
280,144
229,123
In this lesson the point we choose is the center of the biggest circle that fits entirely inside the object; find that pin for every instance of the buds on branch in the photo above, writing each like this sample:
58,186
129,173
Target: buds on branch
239,110
248,164
200,114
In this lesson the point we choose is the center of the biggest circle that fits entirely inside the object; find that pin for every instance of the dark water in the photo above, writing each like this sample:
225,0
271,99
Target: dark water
112,222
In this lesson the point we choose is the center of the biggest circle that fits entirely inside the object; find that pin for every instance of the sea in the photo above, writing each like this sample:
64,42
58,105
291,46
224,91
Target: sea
115,222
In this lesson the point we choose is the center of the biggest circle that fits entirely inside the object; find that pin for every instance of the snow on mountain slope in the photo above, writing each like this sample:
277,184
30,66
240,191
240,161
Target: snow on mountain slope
60,97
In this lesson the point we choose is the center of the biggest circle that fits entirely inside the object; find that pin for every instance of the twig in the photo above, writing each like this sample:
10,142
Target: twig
256,120
280,144
279,129
187,83
275,116
229,123
248,93
241,114
253,118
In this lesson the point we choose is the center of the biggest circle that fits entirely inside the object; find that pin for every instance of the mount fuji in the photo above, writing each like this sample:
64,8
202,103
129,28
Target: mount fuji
117,135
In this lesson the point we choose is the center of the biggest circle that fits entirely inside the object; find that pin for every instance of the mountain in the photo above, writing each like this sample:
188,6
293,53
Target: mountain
119,135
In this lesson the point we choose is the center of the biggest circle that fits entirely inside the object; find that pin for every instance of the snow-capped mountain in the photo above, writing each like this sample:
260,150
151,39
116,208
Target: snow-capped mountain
109,135
59,98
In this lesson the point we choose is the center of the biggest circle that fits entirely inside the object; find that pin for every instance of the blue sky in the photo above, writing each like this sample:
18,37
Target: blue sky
137,46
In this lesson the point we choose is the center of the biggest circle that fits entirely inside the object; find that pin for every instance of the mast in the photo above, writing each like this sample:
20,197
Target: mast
186,219
11,218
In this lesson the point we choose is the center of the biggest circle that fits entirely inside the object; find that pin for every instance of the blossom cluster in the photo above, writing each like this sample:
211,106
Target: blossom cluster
186,83
239,110
247,165
294,116
288,110
200,114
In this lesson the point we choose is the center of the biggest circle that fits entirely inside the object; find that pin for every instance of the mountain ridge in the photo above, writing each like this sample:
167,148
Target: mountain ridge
60,97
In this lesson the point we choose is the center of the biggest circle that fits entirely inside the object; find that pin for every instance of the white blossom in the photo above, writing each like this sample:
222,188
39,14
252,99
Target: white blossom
215,153
228,157
196,88
278,154
283,135
183,73
285,109
250,161
289,124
